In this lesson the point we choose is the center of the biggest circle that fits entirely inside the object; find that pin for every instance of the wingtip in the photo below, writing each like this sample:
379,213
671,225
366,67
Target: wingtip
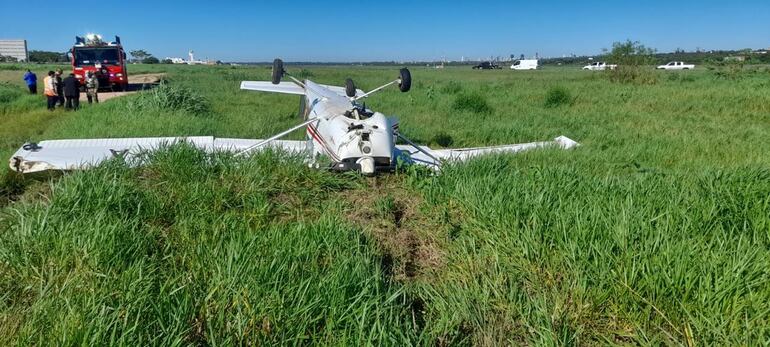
566,142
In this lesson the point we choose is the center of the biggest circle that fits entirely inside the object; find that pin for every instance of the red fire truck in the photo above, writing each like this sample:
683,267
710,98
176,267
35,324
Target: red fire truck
107,60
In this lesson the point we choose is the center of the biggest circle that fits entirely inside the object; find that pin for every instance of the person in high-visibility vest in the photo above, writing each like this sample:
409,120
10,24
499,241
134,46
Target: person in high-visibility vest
49,83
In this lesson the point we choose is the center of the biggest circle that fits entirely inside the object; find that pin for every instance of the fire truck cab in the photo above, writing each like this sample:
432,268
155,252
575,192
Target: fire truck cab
107,60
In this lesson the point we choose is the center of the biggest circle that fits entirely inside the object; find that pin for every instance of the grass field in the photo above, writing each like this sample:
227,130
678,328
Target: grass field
655,231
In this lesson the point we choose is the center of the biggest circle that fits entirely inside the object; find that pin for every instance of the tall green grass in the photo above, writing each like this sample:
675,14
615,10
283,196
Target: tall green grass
548,254
654,231
192,249
167,97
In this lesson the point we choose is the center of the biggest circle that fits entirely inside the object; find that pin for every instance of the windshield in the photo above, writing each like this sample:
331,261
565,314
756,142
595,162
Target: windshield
91,56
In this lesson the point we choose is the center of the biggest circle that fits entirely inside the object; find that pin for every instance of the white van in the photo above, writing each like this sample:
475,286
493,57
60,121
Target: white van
524,64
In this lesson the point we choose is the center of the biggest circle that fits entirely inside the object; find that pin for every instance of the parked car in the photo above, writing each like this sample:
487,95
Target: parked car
599,66
486,66
524,64
676,65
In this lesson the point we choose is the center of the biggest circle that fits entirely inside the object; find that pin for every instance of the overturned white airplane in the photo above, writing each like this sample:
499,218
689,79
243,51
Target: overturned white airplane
338,127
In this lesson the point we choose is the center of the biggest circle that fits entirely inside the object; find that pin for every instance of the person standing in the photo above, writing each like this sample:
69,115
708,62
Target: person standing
59,88
31,80
49,89
92,87
71,92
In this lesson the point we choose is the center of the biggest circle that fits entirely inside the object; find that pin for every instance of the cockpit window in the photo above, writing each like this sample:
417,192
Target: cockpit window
92,56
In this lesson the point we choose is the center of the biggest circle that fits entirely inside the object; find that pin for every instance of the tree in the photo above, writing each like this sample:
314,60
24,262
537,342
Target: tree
139,54
150,60
631,53
633,60
47,57
7,59
166,61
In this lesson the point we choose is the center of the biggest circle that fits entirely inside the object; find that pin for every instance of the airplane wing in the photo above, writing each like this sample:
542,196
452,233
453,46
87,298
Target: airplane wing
81,154
462,154
265,86
289,88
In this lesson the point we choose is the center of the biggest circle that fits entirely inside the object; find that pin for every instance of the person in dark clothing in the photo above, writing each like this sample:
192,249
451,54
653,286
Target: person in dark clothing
71,87
49,88
31,80
59,87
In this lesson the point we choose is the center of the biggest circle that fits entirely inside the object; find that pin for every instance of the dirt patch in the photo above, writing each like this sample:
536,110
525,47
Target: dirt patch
135,83
406,232
150,78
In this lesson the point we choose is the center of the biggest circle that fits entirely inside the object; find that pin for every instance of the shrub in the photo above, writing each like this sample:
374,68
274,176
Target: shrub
557,96
633,75
442,139
166,97
9,92
150,60
633,60
11,67
730,71
453,87
475,103
680,77
305,73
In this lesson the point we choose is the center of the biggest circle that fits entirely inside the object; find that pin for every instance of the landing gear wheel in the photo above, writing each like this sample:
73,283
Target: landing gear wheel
277,71
350,88
406,80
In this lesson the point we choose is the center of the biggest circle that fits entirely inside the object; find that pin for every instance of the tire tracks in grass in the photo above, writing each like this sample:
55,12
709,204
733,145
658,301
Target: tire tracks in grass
405,232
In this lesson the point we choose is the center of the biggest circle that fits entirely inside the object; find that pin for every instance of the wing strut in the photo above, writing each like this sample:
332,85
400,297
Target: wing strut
437,162
275,137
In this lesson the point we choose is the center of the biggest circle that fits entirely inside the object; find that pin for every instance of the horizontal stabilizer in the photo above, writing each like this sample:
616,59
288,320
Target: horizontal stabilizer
265,86
341,90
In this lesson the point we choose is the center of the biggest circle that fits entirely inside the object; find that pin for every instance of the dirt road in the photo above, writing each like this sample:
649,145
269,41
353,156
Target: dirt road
135,84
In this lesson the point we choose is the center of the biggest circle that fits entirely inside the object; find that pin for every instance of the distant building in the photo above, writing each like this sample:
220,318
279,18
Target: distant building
175,60
191,60
14,48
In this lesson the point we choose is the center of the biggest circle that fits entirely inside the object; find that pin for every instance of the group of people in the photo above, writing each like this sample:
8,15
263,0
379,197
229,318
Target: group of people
64,92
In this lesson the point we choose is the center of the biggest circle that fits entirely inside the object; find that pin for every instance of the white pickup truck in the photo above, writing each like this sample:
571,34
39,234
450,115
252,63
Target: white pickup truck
676,65
599,66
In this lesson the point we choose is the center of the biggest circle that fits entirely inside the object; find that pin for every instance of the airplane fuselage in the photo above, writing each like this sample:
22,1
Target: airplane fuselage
352,137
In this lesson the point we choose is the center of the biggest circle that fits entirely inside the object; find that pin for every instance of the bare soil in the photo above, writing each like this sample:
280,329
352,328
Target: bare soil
406,231
135,84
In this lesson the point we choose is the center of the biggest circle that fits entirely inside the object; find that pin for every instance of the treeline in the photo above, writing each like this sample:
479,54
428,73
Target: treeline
716,57
39,57
710,58
47,57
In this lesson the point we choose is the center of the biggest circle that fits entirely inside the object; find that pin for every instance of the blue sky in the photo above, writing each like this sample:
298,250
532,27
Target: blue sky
389,30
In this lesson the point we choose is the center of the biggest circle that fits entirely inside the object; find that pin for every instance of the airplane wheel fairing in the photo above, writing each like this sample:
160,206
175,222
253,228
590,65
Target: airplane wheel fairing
350,88
406,80
277,71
